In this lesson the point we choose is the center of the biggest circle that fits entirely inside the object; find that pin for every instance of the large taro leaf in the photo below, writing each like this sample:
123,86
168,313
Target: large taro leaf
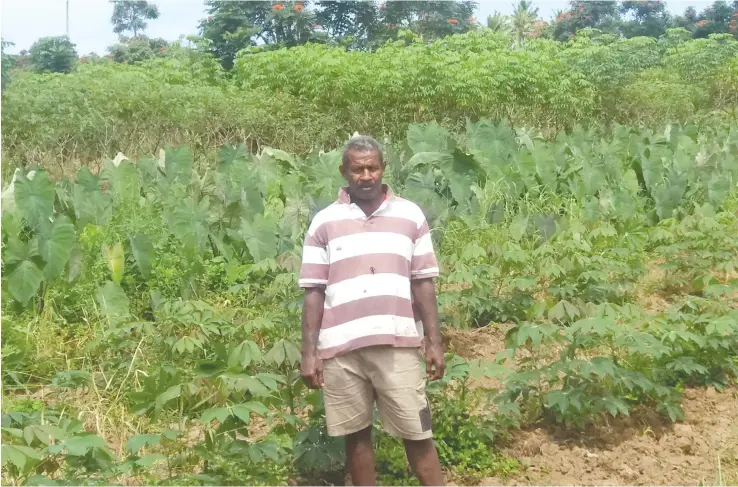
260,236
546,167
668,193
429,138
428,159
593,176
187,220
420,188
55,245
143,251
323,172
24,281
275,161
34,198
237,182
113,302
125,182
492,145
115,259
461,171
717,189
178,165
91,205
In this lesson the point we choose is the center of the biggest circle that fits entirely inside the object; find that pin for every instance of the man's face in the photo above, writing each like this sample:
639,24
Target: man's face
363,172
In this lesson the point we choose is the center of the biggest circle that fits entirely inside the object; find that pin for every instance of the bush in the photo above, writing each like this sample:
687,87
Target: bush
53,54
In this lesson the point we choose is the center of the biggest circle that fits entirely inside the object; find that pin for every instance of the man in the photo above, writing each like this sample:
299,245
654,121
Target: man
367,270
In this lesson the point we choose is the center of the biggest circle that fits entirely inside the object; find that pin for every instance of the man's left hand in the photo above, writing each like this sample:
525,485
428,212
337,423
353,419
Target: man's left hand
435,362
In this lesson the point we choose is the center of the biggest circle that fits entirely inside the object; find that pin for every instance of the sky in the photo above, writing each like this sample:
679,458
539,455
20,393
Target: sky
24,21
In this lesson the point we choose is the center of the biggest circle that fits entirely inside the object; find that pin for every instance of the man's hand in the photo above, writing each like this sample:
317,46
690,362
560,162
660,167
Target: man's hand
435,362
311,371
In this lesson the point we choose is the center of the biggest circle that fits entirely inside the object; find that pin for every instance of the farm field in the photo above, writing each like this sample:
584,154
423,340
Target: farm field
589,298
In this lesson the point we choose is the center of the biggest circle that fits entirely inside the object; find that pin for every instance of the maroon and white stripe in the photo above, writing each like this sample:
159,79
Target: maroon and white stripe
366,264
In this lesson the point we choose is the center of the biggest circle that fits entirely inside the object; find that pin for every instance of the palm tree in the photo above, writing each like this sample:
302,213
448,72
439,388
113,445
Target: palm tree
523,18
498,23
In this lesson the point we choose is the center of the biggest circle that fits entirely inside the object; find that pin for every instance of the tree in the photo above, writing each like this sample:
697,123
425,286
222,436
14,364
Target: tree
132,15
137,49
715,19
233,26
649,19
596,14
354,24
522,20
53,54
6,64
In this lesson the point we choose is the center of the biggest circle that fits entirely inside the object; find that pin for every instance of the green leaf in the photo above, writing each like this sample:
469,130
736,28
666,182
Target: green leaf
428,138
149,460
558,400
260,236
75,263
518,227
56,245
142,250
78,446
166,396
19,455
563,309
178,164
113,302
24,281
91,205
282,351
35,198
221,414
136,442
115,260
125,183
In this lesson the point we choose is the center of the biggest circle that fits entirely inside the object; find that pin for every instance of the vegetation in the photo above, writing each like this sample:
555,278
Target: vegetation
132,15
313,96
162,295
155,203
53,55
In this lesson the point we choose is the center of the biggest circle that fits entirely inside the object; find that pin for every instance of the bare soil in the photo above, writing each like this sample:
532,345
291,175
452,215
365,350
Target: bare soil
644,449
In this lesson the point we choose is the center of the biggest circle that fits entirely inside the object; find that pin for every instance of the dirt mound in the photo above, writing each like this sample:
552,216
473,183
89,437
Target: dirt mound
640,450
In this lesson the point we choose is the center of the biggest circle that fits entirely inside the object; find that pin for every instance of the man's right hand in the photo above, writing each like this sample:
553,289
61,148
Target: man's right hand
311,371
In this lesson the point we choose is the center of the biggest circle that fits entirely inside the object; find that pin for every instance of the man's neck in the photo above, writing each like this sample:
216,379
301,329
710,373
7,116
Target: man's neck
370,206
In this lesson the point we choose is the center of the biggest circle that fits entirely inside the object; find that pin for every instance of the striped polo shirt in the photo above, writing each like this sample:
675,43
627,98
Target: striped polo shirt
366,264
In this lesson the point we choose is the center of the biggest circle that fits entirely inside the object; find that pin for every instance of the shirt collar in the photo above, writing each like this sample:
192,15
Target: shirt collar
345,198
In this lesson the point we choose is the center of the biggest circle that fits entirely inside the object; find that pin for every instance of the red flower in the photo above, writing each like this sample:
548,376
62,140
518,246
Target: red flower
299,7
453,21
278,7
472,19
381,5
581,9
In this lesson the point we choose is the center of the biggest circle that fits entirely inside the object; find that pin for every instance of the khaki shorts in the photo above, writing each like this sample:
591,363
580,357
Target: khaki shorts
391,376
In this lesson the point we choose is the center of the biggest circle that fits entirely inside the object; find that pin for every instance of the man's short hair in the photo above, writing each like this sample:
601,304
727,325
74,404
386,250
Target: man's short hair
362,143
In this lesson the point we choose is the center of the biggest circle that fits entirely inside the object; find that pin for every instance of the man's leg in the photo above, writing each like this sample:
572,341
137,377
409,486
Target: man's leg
360,457
424,462
404,409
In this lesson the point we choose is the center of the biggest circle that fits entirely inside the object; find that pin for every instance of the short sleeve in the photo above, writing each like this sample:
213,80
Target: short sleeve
315,267
424,264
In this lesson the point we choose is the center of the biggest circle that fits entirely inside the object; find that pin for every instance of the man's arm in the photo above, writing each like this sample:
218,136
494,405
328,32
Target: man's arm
311,368
424,293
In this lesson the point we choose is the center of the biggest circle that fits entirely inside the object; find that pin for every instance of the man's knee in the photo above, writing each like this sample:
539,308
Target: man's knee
363,436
